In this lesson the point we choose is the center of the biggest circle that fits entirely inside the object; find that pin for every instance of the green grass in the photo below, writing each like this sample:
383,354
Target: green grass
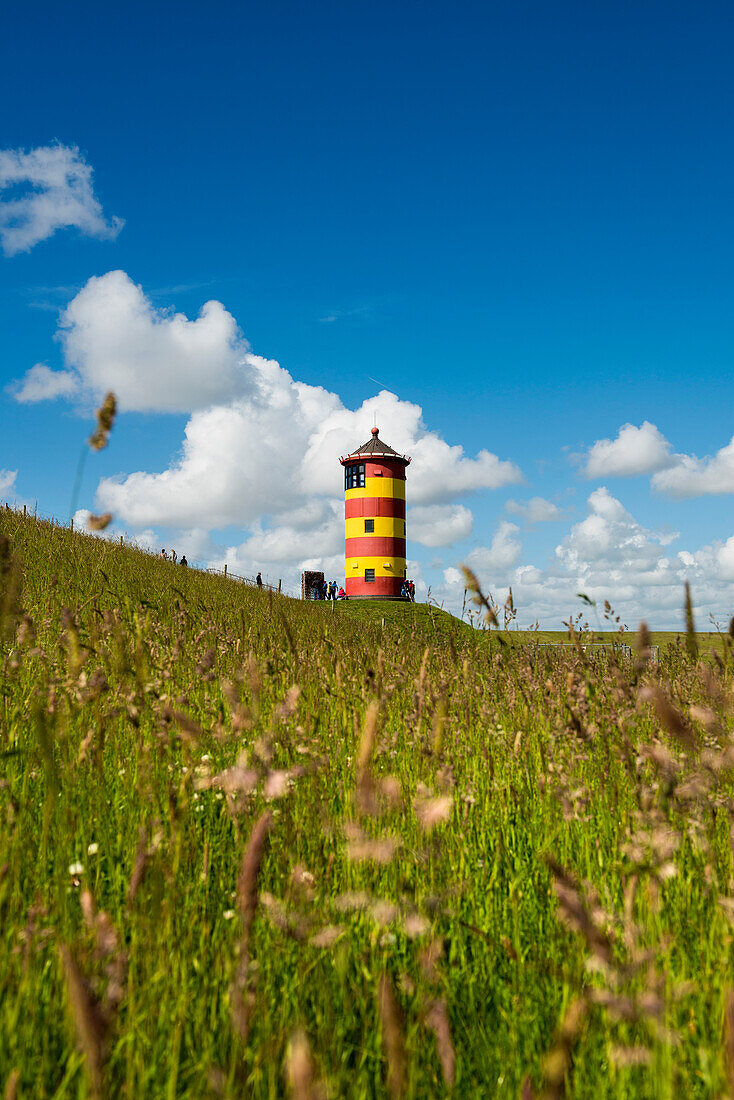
579,852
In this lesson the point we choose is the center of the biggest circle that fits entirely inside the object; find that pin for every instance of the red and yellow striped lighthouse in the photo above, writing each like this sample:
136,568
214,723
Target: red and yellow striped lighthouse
374,515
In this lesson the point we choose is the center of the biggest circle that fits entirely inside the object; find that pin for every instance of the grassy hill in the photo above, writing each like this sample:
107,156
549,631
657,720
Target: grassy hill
256,847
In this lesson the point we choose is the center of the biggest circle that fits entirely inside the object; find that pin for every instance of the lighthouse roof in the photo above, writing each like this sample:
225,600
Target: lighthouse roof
375,446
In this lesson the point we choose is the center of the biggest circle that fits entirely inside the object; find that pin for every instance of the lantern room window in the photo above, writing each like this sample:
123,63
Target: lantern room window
369,526
369,576
354,476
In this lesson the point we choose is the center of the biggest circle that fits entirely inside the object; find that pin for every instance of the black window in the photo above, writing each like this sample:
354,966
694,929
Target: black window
369,526
369,575
354,476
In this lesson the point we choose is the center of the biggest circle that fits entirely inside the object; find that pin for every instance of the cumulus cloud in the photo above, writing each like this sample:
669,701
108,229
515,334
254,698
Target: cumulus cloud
40,383
609,537
609,555
155,360
635,451
439,524
7,482
495,560
260,448
535,510
46,189
689,476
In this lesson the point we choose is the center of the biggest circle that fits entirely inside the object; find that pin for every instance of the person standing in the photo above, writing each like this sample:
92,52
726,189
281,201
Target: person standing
259,581
183,560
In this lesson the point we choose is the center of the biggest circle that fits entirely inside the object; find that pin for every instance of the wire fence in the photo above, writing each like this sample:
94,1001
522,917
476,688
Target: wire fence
602,649
126,540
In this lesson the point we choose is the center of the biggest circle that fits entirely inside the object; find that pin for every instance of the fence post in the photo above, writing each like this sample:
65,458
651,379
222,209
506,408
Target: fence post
279,584
71,524
225,570
24,510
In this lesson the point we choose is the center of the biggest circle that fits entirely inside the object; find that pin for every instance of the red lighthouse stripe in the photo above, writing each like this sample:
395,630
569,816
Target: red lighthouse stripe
380,586
374,546
374,506
385,468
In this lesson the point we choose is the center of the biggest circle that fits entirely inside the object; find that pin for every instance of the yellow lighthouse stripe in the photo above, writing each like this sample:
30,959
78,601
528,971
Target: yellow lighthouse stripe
385,527
383,567
378,487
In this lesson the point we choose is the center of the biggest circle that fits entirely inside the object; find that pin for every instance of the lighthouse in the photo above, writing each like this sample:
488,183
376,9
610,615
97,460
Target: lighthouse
374,520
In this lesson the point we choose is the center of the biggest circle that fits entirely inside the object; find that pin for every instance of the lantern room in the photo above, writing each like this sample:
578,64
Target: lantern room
374,519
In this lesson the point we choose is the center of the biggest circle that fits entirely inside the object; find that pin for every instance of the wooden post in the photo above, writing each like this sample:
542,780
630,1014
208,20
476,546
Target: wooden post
225,570
71,524
24,510
279,584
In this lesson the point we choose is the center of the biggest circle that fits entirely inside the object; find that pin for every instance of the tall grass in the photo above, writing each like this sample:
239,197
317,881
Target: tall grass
252,847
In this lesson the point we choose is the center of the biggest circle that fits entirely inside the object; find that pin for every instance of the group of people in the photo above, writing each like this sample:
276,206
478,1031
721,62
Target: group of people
329,590
407,590
171,555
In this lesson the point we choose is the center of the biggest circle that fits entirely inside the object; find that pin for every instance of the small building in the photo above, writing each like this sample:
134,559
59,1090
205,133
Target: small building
312,584
374,520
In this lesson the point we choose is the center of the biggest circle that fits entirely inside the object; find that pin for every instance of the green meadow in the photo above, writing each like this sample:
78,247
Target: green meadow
253,847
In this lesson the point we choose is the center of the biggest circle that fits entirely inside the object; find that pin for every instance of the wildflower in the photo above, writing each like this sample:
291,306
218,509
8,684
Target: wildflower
228,914
92,849
76,869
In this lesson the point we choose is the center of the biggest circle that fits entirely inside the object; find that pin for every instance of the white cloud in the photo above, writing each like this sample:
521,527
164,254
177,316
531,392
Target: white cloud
51,189
7,482
41,383
691,477
439,524
609,555
260,449
535,510
635,451
494,561
153,359
608,537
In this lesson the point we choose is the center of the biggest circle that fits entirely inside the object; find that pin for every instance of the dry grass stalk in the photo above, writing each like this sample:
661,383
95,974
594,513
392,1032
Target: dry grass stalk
393,1037
668,715
580,911
105,419
432,811
691,640
437,1021
141,862
729,1041
365,790
249,871
241,995
99,523
300,1073
10,1091
558,1062
472,584
89,1020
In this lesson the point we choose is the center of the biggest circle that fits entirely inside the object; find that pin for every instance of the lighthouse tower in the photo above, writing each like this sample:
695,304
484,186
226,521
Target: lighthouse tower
374,514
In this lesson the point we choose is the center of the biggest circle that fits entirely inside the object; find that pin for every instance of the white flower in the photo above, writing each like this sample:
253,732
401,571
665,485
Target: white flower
228,914
92,849
76,868
205,758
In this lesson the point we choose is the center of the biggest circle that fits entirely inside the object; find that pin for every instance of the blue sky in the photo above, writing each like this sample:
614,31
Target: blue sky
517,218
